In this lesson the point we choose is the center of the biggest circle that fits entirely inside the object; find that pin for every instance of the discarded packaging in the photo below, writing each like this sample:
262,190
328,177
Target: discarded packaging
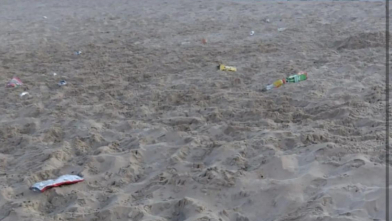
226,68
251,33
276,84
14,82
301,76
62,83
62,180
54,74
281,29
204,41
24,94
78,52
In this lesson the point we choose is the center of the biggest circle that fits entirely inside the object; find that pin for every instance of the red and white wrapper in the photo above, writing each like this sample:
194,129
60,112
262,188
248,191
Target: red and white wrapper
14,82
62,180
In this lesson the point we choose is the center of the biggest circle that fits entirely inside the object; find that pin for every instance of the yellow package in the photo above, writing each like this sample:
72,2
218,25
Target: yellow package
227,68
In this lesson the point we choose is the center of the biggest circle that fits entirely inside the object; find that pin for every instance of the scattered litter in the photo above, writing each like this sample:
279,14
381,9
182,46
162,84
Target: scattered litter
251,33
276,84
267,20
45,17
78,52
24,94
54,74
62,83
301,76
226,68
281,29
62,180
14,82
204,41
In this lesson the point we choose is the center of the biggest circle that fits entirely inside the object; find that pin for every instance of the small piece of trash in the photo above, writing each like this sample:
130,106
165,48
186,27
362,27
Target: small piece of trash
251,33
24,94
223,67
45,17
276,84
204,41
14,82
62,180
301,76
62,83
54,74
281,29
78,52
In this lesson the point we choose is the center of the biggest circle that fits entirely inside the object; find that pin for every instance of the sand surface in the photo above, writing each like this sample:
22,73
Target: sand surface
159,134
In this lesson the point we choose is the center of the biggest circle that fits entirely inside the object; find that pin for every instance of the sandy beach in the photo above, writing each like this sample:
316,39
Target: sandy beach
159,134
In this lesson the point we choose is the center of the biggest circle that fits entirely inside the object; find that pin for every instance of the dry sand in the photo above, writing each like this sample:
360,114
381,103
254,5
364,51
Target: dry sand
159,134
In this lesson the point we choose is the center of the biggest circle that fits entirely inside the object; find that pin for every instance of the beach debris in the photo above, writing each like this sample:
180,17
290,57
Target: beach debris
62,83
62,180
276,84
24,94
267,20
14,82
204,41
54,74
281,29
251,33
45,17
78,52
223,67
301,76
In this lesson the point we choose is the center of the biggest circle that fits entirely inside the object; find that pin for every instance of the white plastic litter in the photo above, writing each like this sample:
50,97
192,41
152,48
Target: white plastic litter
62,180
24,94
62,83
